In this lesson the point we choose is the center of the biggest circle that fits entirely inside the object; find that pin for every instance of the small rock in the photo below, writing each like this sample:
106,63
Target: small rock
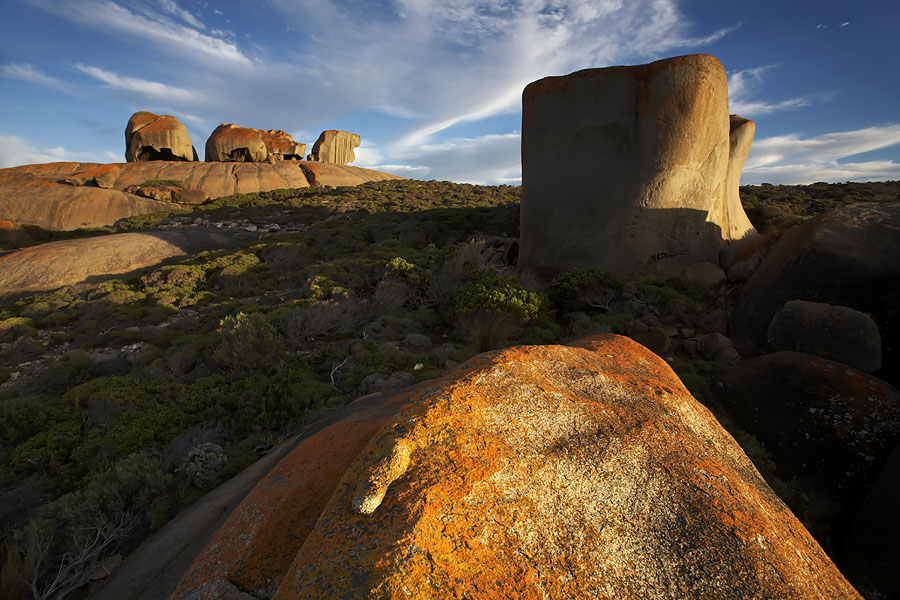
712,344
417,341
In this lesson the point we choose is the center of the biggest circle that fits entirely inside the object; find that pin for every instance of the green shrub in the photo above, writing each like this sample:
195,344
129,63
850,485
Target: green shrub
584,288
486,291
14,328
247,342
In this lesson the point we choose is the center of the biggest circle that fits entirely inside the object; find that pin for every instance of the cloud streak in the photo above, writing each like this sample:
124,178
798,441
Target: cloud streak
142,88
17,151
792,159
31,74
744,84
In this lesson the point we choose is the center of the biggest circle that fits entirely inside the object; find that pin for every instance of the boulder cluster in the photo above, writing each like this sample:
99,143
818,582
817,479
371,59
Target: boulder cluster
150,137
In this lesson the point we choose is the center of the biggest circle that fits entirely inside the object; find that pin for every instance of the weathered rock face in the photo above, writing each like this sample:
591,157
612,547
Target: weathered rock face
57,264
838,333
624,165
534,472
335,147
36,194
827,425
230,143
281,145
157,137
741,132
847,257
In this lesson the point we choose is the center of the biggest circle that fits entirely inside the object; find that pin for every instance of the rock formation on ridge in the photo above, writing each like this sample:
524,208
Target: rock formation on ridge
231,143
157,137
740,138
335,147
539,471
624,165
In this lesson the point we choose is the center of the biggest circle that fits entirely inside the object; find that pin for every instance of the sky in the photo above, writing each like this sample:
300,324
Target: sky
434,87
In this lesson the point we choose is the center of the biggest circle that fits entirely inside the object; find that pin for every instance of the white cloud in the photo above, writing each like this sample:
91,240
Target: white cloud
142,88
744,84
171,7
160,32
792,159
17,151
30,73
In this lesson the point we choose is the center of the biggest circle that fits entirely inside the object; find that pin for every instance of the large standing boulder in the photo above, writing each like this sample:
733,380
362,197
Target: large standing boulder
157,137
847,257
827,426
281,145
230,143
335,147
533,472
625,165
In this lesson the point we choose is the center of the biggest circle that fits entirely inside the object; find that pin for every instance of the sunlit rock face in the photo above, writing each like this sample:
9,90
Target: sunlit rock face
335,147
623,166
151,137
230,143
584,471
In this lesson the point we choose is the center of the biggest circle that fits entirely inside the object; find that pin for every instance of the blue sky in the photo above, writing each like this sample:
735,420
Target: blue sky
434,86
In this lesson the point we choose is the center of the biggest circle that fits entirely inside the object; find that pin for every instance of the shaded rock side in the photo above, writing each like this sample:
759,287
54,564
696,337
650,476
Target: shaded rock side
624,165
827,426
335,147
847,257
50,266
871,554
149,136
838,333
230,143
533,472
741,132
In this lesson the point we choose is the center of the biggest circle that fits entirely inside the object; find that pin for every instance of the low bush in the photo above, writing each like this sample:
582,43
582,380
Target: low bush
247,342
585,289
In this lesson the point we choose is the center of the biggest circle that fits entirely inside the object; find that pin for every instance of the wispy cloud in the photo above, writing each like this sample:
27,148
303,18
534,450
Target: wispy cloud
30,73
792,159
742,85
171,7
17,151
151,28
142,88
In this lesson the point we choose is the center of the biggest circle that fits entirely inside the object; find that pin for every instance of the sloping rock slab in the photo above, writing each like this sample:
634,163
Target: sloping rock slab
38,195
57,264
533,472
331,175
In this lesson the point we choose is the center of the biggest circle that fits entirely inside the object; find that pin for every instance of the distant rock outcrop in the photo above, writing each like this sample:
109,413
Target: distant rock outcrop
622,166
230,143
534,472
157,137
39,194
335,147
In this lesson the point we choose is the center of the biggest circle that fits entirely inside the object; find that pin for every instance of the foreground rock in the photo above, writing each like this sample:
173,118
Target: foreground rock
57,264
157,137
828,426
625,165
335,147
39,194
847,257
534,472
230,143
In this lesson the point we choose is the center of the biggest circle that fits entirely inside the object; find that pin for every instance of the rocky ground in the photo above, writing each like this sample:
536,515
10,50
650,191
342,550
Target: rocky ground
125,400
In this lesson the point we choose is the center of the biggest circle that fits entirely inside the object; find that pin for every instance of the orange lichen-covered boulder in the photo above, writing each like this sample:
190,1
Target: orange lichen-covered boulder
230,143
335,147
533,472
149,136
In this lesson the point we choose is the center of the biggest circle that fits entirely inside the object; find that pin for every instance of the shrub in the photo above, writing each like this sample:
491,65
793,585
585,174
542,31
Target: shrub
585,288
247,342
327,317
203,466
490,308
15,327
447,277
